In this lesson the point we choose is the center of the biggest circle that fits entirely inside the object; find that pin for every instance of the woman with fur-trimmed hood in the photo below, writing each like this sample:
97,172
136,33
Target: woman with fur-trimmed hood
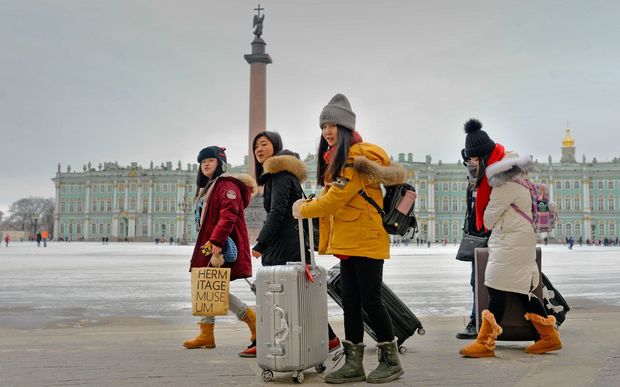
511,267
220,203
352,230
281,173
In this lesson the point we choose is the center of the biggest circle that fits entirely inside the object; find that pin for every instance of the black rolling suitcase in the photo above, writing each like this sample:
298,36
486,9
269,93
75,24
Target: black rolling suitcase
554,303
405,323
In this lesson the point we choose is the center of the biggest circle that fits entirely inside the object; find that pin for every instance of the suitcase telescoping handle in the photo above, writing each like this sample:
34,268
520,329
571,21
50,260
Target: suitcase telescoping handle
302,248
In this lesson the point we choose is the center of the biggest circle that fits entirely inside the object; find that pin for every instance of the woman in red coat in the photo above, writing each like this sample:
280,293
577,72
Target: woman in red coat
220,203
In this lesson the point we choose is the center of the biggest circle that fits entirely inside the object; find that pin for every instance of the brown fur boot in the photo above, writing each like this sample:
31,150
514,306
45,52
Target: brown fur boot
484,346
549,336
204,340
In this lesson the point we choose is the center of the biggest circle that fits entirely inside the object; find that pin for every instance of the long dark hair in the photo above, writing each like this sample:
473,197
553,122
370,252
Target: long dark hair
203,181
275,140
339,158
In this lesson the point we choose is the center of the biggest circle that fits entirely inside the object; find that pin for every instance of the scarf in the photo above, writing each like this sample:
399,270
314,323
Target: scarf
329,155
484,189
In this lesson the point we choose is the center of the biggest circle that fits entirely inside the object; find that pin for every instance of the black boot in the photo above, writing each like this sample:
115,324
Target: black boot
470,331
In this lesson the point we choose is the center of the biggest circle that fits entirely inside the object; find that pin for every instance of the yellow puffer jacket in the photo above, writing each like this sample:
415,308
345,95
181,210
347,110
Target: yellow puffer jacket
349,225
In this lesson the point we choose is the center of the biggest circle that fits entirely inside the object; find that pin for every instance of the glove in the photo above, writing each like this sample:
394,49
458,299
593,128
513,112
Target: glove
297,208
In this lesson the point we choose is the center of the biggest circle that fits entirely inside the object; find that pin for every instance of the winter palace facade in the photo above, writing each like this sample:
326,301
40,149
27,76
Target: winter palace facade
137,203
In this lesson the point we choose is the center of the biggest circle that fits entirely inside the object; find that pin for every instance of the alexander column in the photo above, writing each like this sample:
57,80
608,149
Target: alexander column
258,61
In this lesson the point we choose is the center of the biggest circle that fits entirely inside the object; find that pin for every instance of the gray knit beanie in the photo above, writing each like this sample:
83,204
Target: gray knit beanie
338,111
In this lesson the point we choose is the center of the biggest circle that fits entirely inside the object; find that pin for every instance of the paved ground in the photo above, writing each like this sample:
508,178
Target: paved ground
139,352
89,334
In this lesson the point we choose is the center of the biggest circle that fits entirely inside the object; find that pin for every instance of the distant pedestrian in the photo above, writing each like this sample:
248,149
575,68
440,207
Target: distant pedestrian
571,242
511,266
171,240
44,235
38,239
7,239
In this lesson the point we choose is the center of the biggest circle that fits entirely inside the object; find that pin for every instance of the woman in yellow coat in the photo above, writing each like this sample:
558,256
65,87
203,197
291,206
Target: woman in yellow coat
352,230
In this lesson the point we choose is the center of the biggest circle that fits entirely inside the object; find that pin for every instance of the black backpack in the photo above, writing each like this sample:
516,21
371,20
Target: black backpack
397,211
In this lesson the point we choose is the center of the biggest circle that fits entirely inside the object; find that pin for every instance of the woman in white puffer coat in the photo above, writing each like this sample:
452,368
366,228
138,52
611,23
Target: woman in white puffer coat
511,267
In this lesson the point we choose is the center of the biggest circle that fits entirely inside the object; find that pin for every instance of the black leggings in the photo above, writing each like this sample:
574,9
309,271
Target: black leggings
361,288
497,304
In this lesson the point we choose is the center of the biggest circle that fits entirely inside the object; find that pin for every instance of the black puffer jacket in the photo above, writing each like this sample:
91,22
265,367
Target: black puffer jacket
469,225
278,240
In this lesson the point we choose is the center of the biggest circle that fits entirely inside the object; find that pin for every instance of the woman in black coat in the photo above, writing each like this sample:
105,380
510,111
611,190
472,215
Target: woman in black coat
280,172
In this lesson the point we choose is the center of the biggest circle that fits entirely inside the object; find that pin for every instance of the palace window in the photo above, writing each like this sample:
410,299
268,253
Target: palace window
165,205
455,230
576,184
423,202
445,204
93,228
94,206
612,229
423,184
577,205
611,203
601,184
79,205
601,204
569,229
567,203
455,187
455,204
577,229
121,204
78,228
71,205
558,184
109,205
610,184
157,205
94,188
446,229
567,184
145,206
445,187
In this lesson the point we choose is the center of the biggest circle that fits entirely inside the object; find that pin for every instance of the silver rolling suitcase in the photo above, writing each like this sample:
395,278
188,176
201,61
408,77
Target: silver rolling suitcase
291,314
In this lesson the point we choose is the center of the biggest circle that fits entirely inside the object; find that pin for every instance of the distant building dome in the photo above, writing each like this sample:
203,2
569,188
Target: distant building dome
568,141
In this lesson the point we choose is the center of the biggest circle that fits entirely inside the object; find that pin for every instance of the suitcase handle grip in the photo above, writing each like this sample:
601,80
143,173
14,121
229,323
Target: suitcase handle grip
302,248
284,329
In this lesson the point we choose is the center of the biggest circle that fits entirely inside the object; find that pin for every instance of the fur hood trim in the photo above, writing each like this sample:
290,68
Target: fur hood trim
391,174
286,163
245,179
512,166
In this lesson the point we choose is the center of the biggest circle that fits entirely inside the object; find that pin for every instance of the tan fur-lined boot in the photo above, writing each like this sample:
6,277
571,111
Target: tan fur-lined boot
484,346
250,319
205,339
549,335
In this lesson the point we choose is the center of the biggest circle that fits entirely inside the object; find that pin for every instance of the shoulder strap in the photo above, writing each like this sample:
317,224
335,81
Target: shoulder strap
520,212
371,201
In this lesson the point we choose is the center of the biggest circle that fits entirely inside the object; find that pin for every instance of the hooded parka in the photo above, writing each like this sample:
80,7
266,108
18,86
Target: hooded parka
224,217
349,224
512,246
278,240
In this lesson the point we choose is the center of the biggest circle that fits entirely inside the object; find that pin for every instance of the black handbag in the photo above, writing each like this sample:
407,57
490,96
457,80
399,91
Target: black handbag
468,244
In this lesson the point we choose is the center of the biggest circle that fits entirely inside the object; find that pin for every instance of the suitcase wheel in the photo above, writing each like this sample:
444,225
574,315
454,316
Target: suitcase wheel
320,368
402,349
267,375
421,331
298,377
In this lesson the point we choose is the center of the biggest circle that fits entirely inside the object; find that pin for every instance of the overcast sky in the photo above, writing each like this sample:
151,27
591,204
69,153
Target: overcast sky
128,80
